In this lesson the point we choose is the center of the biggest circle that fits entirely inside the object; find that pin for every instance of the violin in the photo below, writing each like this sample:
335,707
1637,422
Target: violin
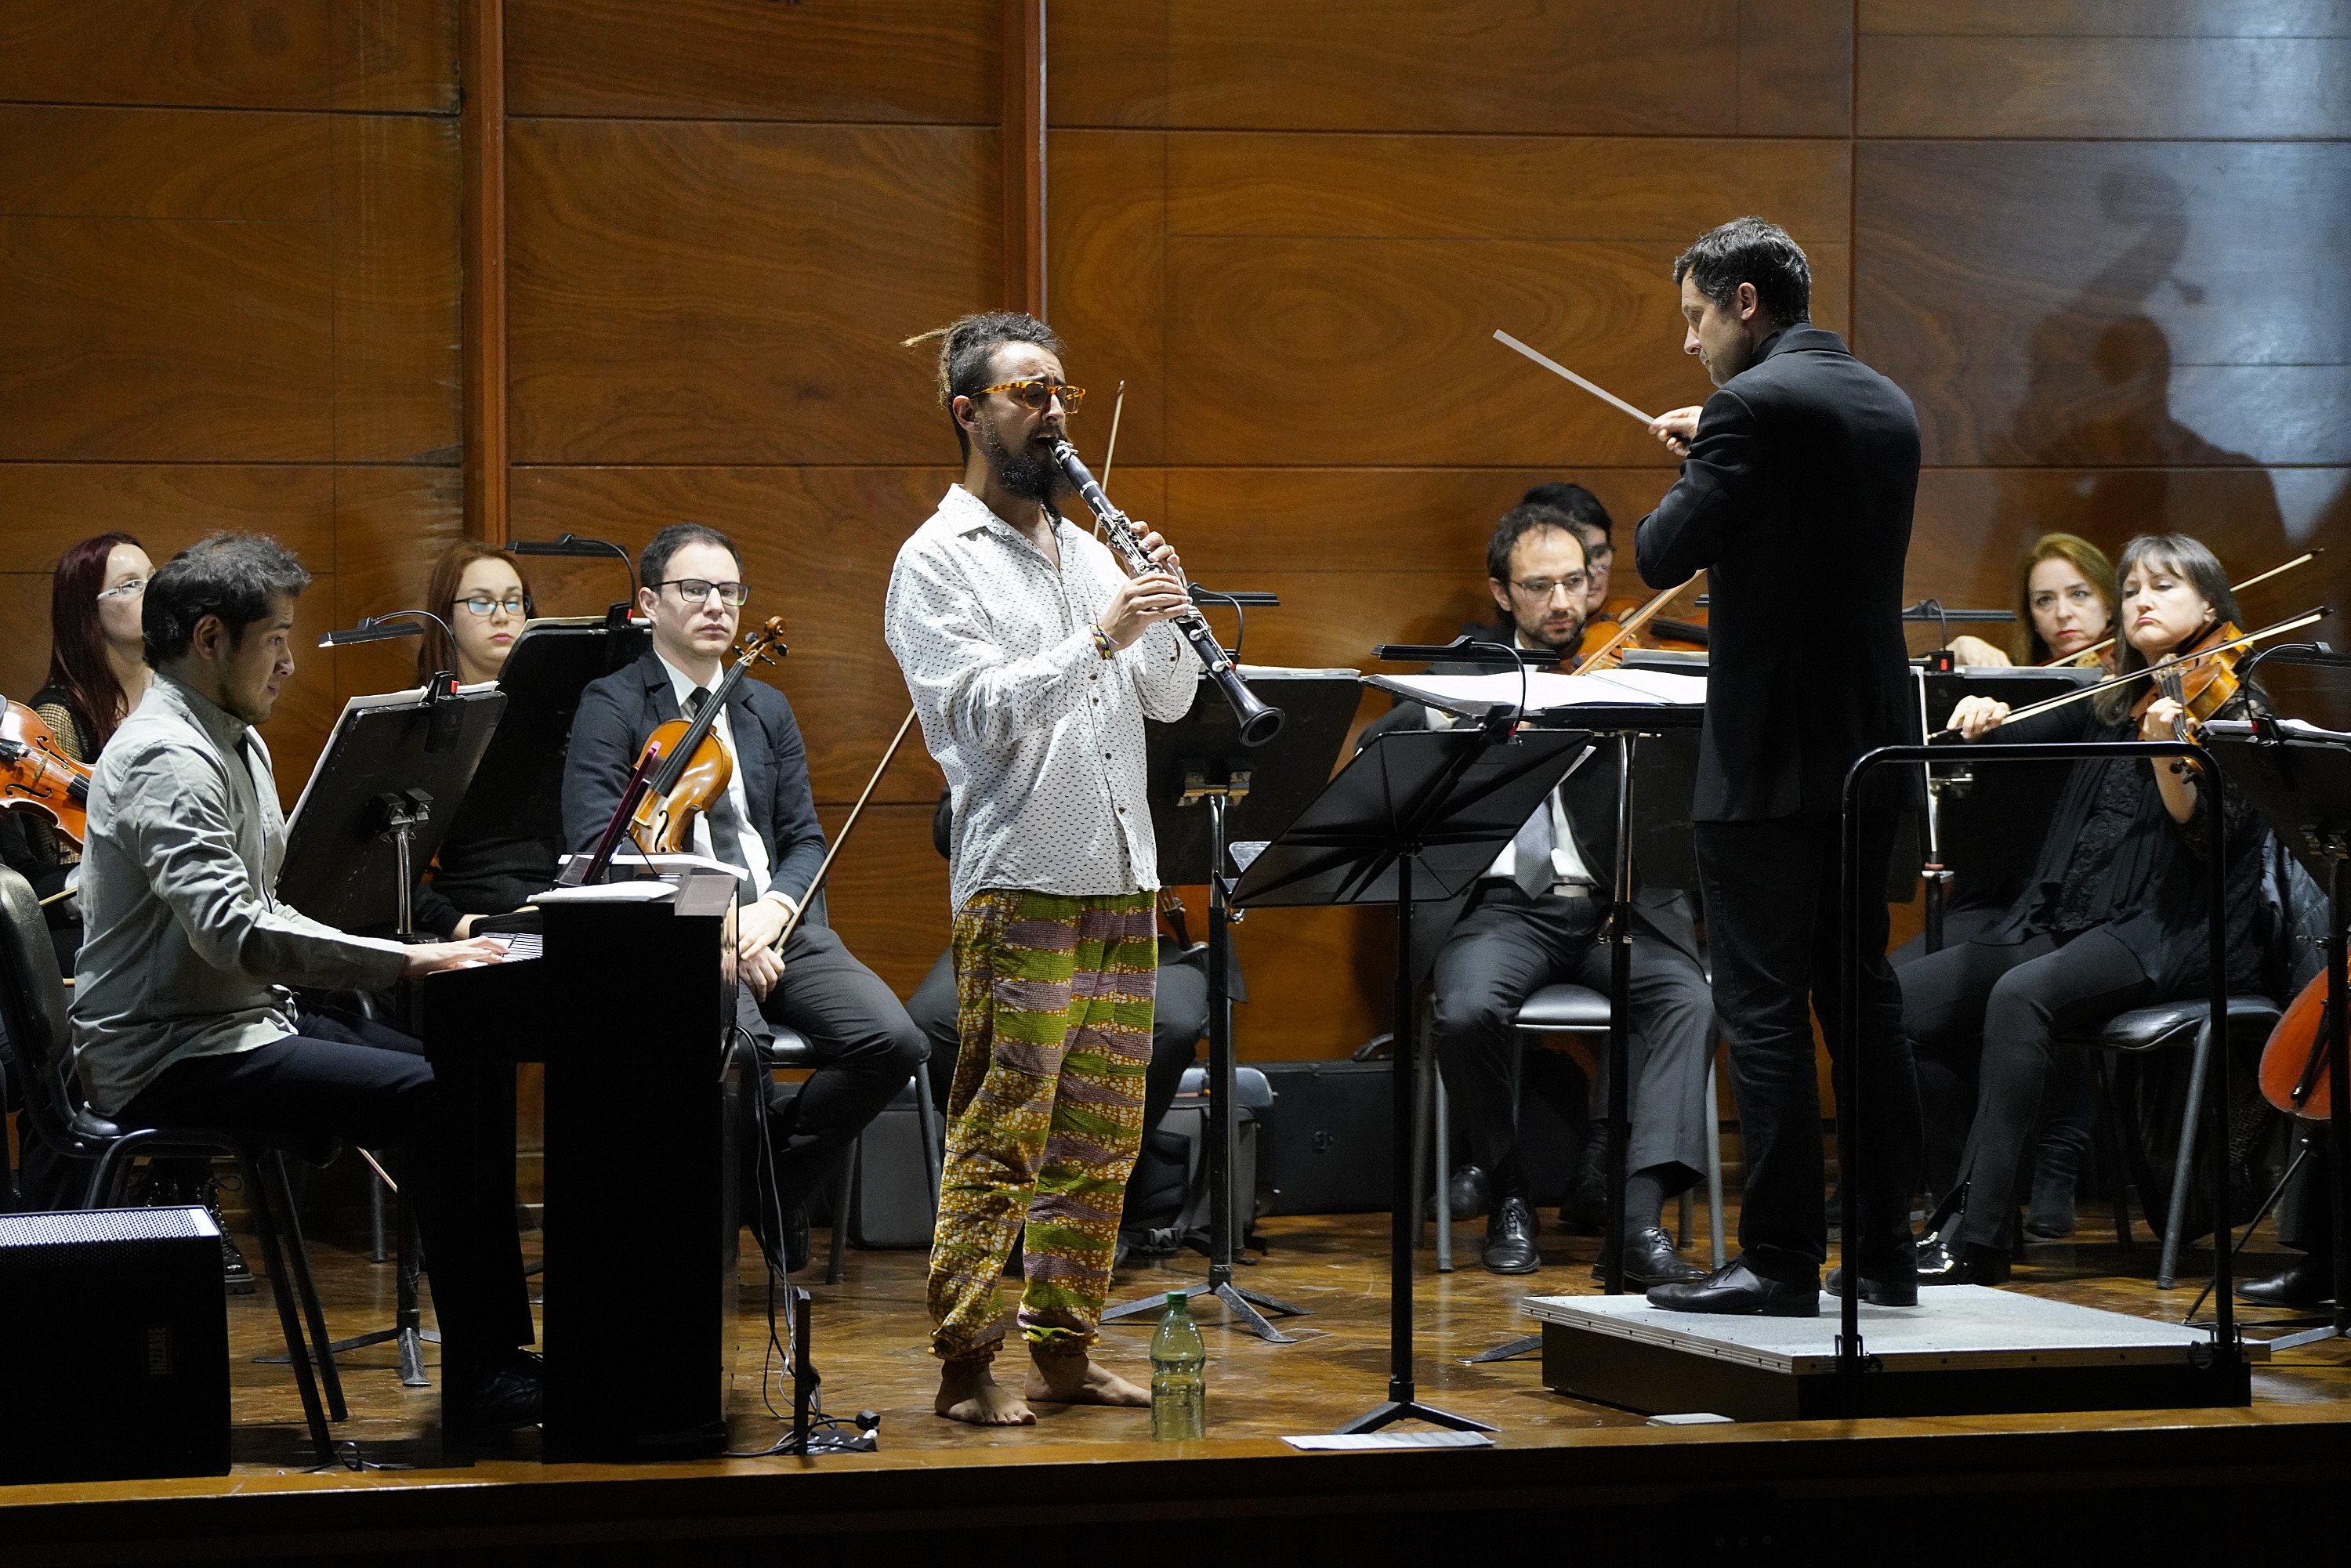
2293,1071
2201,683
1612,649
694,766
36,774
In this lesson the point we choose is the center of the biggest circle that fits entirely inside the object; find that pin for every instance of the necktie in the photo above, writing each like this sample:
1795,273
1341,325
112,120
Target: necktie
1531,861
726,828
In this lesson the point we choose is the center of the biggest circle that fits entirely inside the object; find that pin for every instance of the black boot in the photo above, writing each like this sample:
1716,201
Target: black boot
236,1275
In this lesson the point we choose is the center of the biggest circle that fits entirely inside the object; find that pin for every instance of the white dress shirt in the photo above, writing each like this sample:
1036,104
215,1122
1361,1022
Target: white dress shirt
1040,737
754,847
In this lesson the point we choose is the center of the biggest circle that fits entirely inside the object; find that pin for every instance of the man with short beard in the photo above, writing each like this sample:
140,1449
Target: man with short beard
1033,660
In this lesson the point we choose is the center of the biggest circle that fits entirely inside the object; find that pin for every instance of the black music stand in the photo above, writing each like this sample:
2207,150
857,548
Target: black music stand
1200,758
1438,805
2300,784
548,668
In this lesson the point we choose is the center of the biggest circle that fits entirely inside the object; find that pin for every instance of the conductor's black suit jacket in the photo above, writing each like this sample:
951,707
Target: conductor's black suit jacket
619,711
1795,499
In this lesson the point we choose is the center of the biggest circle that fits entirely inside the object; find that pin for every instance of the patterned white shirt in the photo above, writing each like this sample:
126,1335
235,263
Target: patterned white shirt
1040,737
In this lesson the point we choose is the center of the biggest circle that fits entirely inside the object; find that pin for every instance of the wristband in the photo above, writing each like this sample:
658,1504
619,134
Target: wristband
1102,645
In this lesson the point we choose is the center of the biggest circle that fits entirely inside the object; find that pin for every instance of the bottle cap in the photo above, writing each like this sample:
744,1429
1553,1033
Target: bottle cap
1177,1298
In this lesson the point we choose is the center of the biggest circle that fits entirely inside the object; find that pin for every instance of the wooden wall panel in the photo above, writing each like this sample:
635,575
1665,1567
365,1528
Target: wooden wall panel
887,896
875,61
71,161
382,55
397,309
696,292
1107,242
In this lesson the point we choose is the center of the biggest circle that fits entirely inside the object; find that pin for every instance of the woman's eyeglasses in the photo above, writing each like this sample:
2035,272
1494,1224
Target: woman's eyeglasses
130,590
482,604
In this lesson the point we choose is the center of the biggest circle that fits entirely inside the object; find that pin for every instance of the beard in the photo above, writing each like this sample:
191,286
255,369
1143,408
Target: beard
1030,474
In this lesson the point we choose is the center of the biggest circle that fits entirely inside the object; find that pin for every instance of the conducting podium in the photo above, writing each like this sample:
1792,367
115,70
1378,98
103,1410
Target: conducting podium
627,998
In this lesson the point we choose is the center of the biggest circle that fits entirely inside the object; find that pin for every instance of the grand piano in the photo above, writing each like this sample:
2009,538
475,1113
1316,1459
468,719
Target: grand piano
630,1005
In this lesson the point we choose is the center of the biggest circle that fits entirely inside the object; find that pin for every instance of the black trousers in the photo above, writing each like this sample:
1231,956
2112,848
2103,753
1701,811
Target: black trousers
370,1086
1179,1018
1772,899
2009,1000
1507,946
865,1044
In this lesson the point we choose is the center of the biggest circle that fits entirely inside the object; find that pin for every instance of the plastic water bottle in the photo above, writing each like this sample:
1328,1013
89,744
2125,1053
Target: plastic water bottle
1179,1382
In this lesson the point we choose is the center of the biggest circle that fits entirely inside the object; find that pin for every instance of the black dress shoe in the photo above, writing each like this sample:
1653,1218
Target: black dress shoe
1469,1193
2307,1282
1650,1259
1879,1291
1737,1290
509,1393
1956,1263
1584,1210
1511,1239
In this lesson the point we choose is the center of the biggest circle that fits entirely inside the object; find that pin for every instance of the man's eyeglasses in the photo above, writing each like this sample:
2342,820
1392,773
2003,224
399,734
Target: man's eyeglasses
697,590
482,604
130,590
1575,582
1038,395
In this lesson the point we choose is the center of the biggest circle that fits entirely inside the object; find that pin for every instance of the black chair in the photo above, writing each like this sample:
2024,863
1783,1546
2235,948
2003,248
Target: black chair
33,1002
2139,1034
789,1049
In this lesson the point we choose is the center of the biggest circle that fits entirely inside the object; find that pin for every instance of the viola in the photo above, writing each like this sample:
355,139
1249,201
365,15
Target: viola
2293,1071
694,766
36,774
2201,683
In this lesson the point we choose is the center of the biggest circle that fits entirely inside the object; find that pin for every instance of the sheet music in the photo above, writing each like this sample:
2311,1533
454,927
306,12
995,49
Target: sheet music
1474,695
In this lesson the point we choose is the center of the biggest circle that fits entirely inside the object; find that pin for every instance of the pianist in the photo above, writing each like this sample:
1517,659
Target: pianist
179,1014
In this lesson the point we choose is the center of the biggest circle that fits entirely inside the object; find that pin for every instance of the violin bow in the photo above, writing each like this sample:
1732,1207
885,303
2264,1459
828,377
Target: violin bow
1630,627
1555,368
792,920
1110,453
2261,577
2177,661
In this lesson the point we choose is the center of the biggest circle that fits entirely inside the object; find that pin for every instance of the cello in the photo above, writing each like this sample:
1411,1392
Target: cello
695,765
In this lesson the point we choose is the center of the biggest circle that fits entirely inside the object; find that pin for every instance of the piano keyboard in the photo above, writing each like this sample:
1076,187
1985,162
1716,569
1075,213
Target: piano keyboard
523,946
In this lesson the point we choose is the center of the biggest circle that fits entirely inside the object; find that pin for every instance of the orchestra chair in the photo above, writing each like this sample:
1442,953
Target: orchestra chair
1568,1010
2138,1034
32,1004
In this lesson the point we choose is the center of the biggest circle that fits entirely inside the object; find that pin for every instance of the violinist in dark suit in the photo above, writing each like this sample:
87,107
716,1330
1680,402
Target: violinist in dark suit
1535,919
1797,485
765,824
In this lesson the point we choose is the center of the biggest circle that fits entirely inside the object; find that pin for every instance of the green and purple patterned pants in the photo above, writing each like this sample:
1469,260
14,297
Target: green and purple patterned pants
1053,1012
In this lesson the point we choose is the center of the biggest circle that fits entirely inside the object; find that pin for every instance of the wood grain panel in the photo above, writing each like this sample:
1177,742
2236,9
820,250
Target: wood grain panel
25,656
168,506
876,61
2099,303
391,525
2103,87
2108,18
888,895
1107,253
232,54
1380,352
67,161
1611,189
1795,69
398,285
699,292
308,702
817,545
1318,980
1576,66
165,338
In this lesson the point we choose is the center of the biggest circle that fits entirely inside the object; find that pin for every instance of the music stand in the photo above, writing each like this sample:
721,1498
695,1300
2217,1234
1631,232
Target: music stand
550,664
1200,758
2300,784
1436,805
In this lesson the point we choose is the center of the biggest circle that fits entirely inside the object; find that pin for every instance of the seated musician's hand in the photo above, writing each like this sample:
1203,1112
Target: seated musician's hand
1139,604
1677,428
761,969
758,925
1975,650
431,957
2156,722
1976,717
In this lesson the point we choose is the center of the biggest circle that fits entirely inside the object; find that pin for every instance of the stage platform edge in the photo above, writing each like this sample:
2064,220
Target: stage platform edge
1965,1350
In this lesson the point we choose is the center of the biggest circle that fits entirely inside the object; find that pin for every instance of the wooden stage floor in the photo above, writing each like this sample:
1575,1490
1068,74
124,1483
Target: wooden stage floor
871,1348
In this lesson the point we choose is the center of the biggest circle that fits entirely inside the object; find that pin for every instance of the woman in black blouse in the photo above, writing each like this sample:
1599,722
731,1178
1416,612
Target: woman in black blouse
2112,917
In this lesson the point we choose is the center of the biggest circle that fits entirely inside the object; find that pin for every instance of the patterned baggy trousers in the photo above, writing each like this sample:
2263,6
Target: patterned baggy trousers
1053,1012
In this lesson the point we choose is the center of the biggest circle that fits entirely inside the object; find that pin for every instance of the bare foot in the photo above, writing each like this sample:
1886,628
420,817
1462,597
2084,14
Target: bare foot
969,1392
1076,1380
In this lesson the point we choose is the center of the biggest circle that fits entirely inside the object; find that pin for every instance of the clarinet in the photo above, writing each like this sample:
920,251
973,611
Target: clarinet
1259,723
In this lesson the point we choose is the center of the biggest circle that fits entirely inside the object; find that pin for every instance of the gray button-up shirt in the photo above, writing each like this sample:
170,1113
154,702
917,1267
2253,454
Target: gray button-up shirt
1040,737
186,946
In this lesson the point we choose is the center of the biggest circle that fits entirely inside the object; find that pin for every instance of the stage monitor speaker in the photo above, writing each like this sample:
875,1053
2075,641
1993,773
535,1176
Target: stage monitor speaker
116,1335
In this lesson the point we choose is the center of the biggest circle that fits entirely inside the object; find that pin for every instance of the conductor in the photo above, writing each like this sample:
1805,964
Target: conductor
1798,478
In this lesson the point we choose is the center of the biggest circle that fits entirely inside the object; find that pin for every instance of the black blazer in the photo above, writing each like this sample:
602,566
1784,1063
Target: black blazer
1795,499
619,711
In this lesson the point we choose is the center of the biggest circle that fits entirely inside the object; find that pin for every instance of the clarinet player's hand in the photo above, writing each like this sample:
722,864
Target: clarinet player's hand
1141,602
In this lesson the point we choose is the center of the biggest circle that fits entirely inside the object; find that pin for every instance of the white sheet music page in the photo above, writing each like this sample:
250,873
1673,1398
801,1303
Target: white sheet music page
1472,695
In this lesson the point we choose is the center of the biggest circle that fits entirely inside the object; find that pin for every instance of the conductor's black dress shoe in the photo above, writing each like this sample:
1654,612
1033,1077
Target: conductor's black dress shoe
2307,1282
1650,1259
1879,1291
1957,1262
1737,1290
1510,1237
